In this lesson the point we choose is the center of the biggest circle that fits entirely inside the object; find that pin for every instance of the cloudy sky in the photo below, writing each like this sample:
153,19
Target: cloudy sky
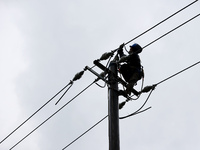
43,44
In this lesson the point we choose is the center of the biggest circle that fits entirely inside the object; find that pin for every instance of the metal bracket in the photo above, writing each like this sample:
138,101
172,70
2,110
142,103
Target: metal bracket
95,73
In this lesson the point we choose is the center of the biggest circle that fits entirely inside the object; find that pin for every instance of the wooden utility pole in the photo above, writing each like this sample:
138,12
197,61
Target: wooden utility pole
113,108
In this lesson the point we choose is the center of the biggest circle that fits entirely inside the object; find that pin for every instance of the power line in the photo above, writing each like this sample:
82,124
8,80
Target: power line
125,44
152,88
113,51
76,77
172,30
34,113
162,21
139,110
95,81
53,114
177,73
85,132
136,112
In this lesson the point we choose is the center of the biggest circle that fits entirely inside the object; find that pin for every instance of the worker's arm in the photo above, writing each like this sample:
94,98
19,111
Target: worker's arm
120,50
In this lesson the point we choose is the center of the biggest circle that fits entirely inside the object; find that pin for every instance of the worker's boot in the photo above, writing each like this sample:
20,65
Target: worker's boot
129,88
122,93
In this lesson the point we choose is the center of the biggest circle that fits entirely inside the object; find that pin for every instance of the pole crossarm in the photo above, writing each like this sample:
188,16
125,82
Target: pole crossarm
95,73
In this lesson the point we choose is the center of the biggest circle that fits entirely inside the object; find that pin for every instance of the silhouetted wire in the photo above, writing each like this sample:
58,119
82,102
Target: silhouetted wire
172,30
162,21
177,73
123,103
93,66
113,51
35,113
157,24
63,94
53,114
139,110
85,132
76,77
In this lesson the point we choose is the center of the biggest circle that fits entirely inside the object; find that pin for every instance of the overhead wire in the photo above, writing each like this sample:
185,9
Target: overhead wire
155,85
85,132
63,94
139,110
124,102
172,30
36,112
177,73
53,114
151,28
87,87
69,85
113,51
161,22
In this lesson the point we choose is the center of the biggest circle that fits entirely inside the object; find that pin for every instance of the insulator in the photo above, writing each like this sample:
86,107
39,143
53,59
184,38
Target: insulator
103,74
121,105
148,88
106,56
78,76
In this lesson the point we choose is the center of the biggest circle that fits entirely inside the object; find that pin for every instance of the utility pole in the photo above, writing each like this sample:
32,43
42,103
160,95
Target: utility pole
113,108
113,102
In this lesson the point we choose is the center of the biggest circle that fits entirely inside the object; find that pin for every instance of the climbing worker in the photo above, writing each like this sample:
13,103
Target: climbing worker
130,67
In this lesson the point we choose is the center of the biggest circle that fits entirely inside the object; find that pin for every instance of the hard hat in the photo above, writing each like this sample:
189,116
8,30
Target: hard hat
136,48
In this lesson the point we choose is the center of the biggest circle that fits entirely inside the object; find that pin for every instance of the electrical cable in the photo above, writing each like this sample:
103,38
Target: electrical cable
113,51
153,87
63,94
76,77
85,132
123,103
70,83
172,30
162,21
177,73
137,111
54,114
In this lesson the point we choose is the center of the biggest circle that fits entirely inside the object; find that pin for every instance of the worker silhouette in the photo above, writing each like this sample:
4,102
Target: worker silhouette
130,67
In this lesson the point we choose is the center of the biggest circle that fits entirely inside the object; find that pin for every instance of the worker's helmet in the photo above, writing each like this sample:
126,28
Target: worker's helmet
136,48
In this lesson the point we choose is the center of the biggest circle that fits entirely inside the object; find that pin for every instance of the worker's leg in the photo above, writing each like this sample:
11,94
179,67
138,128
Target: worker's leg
133,80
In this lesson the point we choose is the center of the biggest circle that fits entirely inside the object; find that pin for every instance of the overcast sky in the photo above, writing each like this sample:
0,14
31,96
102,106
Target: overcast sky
44,43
